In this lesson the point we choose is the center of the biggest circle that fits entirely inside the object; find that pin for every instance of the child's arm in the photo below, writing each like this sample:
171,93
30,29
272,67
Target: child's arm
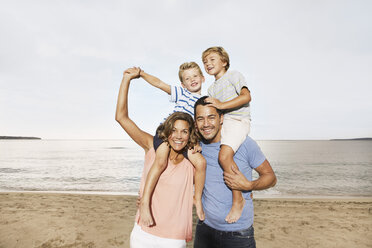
156,82
243,98
199,162
159,165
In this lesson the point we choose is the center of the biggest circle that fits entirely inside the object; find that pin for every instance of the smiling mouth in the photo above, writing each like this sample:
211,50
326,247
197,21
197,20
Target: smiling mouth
207,130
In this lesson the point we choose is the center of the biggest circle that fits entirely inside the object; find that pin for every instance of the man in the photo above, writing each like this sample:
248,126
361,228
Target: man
214,231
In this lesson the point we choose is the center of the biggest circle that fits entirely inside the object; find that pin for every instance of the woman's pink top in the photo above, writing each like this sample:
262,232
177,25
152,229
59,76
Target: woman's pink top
172,200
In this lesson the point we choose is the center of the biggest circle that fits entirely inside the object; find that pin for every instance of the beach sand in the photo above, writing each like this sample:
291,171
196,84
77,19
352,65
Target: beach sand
46,220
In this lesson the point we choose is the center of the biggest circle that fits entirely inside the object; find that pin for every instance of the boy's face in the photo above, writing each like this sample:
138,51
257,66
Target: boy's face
213,65
192,80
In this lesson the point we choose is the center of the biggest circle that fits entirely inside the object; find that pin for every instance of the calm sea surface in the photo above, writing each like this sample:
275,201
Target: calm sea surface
303,168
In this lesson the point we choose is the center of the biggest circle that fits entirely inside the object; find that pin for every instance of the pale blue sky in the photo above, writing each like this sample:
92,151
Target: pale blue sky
308,63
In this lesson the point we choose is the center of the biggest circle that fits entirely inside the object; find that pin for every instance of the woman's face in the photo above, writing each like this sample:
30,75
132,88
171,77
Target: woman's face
179,135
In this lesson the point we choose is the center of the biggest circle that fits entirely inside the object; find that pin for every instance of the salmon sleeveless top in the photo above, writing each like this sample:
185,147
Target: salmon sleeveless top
172,200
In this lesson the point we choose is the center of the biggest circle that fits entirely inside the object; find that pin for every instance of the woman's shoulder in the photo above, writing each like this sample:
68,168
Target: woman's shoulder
187,164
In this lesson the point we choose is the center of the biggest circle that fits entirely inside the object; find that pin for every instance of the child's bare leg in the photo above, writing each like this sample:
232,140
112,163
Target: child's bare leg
226,159
152,178
199,163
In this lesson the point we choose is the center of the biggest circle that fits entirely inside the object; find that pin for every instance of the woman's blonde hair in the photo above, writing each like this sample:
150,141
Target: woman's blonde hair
166,128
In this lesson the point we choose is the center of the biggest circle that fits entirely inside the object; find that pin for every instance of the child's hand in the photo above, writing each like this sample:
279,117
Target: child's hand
196,148
214,102
132,73
138,71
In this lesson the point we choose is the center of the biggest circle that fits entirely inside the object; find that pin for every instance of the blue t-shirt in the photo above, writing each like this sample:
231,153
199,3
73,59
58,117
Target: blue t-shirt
217,197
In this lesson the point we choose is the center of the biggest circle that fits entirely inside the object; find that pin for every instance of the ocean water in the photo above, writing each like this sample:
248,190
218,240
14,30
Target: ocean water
303,168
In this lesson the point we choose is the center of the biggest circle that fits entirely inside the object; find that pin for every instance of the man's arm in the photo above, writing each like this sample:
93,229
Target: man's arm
237,181
156,82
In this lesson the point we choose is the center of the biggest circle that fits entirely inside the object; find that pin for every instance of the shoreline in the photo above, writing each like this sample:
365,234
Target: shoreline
116,193
50,219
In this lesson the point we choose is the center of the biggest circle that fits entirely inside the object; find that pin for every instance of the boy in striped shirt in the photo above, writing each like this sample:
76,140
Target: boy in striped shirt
184,97
229,93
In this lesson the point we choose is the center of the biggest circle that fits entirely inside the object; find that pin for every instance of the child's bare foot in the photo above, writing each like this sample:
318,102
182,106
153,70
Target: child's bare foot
145,216
199,209
235,211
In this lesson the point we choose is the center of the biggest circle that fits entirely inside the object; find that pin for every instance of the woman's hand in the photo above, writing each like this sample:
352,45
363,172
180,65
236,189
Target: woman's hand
138,202
196,148
132,73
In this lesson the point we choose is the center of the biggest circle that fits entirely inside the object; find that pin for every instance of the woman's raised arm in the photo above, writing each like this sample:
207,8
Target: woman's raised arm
142,138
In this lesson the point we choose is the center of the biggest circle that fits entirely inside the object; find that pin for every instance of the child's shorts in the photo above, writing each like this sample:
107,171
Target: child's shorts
234,131
157,142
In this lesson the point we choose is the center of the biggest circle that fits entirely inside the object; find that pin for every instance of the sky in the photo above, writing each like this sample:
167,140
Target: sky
307,63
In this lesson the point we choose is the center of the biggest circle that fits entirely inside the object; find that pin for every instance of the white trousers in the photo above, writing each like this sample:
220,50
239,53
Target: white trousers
142,239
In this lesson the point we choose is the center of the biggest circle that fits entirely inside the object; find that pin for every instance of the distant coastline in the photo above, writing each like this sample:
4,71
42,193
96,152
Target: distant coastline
352,139
19,138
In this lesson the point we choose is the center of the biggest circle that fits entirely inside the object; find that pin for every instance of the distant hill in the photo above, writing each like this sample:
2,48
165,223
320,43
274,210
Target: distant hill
354,139
19,138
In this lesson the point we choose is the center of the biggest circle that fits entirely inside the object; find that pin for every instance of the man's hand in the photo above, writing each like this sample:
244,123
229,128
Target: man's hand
236,180
214,102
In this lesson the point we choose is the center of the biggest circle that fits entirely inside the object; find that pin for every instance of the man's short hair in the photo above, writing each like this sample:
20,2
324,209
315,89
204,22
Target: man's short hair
203,102
221,52
187,66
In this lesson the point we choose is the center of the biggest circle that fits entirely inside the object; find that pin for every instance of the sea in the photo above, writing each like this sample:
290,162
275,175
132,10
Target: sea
304,168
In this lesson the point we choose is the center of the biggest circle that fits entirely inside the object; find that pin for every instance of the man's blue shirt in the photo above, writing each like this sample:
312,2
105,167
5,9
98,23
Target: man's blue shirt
217,197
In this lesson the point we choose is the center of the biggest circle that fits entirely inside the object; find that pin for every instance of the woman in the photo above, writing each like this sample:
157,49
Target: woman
172,199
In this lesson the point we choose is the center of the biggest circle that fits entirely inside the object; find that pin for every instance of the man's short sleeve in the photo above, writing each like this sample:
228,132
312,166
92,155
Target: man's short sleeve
253,153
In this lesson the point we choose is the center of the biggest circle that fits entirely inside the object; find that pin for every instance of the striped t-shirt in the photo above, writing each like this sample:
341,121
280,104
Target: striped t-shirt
184,99
227,88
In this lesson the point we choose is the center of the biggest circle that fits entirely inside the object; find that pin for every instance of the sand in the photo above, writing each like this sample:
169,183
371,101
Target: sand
45,220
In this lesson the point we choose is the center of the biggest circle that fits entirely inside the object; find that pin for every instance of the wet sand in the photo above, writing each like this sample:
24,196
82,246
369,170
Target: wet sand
48,220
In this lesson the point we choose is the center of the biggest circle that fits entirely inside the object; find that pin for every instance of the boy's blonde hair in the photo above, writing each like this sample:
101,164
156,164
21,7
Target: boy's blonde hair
187,66
221,52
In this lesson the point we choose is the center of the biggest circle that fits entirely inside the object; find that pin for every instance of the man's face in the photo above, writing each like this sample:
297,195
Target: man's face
208,123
